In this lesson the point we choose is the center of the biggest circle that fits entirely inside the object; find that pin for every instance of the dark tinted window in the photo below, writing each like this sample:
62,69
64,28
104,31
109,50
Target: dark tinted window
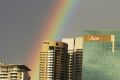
51,47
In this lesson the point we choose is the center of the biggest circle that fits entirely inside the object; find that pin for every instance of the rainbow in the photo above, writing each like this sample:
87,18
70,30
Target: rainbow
59,14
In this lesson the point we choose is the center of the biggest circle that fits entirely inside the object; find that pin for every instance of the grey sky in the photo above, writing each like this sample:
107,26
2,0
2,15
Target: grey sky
19,21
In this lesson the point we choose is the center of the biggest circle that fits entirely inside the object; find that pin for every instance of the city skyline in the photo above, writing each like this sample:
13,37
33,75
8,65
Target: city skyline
22,24
97,51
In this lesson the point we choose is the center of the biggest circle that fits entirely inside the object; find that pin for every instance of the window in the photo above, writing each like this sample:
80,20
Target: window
57,44
51,47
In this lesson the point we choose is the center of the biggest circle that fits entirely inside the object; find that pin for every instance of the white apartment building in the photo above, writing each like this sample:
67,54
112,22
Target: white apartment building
13,72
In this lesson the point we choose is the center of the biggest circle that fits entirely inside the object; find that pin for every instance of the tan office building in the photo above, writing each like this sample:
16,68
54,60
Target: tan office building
75,52
53,61
13,72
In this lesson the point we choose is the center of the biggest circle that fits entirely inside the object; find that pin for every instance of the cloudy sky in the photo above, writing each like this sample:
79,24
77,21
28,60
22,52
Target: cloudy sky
21,22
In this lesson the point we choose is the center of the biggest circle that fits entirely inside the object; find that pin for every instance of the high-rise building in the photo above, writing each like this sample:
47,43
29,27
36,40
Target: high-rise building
78,58
70,42
75,52
53,61
13,72
101,58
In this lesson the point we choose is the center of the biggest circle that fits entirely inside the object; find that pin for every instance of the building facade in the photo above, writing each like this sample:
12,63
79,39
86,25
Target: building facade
14,72
70,42
53,61
75,52
101,59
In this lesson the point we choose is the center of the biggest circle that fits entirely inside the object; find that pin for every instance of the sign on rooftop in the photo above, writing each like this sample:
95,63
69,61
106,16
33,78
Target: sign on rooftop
97,38
102,38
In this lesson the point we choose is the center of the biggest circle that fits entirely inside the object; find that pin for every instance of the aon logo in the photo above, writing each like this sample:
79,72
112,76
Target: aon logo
95,38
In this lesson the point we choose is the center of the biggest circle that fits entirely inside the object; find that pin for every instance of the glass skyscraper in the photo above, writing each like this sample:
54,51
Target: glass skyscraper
101,55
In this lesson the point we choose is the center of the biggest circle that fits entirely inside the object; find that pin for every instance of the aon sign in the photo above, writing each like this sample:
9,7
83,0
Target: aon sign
95,38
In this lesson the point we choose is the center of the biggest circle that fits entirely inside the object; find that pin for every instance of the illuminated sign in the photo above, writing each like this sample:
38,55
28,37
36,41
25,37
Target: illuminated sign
97,38
102,38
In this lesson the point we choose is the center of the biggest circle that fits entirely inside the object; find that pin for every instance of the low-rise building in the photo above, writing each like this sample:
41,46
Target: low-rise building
14,72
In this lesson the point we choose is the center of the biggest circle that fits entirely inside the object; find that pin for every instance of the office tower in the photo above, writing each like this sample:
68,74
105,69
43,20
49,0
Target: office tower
101,58
13,72
78,58
53,61
70,68
75,51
